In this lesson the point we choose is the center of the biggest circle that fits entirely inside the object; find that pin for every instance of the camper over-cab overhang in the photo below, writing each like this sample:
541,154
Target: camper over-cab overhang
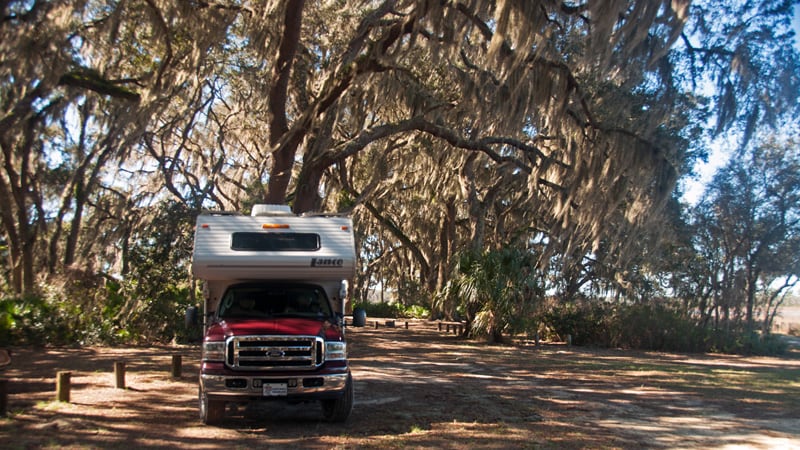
273,246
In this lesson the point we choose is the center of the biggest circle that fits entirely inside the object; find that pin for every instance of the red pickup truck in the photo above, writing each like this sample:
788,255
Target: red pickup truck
274,297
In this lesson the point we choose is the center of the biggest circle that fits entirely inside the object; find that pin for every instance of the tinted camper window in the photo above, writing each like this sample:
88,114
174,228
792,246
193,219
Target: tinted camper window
275,242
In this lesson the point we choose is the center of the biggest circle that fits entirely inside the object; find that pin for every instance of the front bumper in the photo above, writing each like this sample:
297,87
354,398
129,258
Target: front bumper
306,386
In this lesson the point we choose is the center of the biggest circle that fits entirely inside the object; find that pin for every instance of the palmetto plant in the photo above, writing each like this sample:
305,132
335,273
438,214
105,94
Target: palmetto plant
494,290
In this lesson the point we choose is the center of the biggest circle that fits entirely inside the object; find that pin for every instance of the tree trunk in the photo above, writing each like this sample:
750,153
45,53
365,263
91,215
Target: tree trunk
14,262
12,235
283,156
307,194
28,274
75,225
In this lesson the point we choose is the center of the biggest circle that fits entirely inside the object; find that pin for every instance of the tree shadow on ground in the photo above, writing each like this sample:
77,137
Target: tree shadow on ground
418,388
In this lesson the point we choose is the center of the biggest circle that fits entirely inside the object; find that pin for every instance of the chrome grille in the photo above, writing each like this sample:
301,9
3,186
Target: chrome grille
274,352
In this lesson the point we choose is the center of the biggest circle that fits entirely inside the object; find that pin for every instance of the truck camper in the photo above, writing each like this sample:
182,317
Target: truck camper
274,300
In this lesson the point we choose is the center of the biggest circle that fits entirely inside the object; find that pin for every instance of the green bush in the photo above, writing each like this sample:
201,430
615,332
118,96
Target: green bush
75,312
161,318
6,321
587,323
656,325
737,340
39,320
394,310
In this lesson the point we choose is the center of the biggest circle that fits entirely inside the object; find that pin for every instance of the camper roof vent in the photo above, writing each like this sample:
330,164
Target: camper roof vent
271,210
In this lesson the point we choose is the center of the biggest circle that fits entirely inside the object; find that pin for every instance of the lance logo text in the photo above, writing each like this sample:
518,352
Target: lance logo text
326,262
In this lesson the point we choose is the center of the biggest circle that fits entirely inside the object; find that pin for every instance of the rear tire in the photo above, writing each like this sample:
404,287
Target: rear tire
338,410
211,411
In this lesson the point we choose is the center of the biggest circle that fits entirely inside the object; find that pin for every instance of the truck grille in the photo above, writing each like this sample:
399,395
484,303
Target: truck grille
274,352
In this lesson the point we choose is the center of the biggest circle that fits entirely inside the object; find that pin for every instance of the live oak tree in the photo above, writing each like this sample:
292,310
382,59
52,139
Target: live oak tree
80,84
749,234
441,125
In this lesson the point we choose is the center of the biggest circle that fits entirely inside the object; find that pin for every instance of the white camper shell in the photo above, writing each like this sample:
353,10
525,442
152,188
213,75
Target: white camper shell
273,244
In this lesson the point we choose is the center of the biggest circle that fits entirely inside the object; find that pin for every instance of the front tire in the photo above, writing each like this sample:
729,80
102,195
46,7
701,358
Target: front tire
338,410
211,411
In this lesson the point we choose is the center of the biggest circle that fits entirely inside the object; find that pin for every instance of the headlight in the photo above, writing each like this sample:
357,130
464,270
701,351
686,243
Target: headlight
214,351
335,350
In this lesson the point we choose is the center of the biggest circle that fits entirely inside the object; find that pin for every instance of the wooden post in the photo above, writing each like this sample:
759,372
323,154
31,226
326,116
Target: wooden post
176,366
537,339
406,324
3,396
119,374
440,325
569,340
376,324
63,386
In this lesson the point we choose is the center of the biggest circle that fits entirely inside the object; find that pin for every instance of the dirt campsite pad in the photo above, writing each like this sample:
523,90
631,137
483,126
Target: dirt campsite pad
419,388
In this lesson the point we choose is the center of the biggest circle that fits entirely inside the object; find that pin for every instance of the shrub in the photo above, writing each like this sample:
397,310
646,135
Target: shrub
737,340
39,320
656,325
394,310
73,311
586,322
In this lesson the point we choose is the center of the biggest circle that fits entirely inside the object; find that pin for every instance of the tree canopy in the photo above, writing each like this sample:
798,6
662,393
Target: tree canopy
559,128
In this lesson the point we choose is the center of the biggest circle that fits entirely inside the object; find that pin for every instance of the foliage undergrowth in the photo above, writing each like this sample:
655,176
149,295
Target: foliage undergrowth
394,309
146,305
649,326
36,320
58,317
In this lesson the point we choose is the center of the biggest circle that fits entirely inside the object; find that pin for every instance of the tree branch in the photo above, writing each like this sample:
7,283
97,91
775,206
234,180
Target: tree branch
93,81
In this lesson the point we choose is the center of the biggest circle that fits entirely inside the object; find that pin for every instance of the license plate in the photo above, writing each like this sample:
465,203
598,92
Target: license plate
274,389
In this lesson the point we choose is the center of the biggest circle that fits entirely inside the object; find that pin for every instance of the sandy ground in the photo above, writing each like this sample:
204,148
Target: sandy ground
420,388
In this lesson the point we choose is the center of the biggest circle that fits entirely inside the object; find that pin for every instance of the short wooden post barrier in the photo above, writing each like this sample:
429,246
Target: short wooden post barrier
376,324
63,381
406,324
119,374
176,366
569,340
3,397
457,327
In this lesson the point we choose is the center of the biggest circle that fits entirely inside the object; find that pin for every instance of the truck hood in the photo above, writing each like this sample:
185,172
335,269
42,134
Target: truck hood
277,326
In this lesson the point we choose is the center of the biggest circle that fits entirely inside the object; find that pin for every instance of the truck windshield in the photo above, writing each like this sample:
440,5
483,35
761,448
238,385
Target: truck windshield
254,301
